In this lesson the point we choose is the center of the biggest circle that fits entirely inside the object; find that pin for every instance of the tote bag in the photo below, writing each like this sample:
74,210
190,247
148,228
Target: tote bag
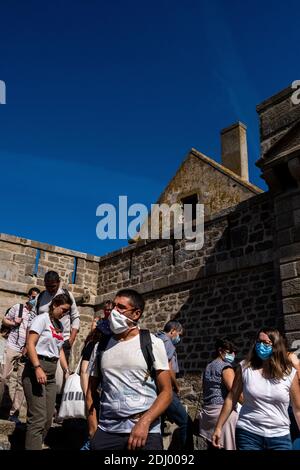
73,402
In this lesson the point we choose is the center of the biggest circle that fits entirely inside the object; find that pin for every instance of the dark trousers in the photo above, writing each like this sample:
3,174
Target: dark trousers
40,404
103,440
176,413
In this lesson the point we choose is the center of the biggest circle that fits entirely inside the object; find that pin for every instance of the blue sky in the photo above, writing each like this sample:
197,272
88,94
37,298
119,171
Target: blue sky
105,98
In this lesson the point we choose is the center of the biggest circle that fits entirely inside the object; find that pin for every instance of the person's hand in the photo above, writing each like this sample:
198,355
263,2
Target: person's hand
216,438
41,377
18,321
138,435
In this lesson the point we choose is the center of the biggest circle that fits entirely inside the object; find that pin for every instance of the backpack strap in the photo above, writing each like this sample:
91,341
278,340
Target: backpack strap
67,293
146,347
38,302
21,306
102,345
20,311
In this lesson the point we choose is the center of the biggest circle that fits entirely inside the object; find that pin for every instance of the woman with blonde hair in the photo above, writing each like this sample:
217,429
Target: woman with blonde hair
268,381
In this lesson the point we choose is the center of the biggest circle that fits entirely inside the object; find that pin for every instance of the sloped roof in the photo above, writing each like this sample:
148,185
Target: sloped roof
226,171
217,166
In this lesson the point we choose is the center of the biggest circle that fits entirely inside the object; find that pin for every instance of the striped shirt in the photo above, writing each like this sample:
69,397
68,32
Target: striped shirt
17,337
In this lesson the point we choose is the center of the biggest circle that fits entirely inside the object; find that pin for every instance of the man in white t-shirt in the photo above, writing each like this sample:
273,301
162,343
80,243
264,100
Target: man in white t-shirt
131,400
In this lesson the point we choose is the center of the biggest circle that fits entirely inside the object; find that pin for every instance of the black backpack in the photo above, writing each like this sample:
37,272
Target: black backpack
5,330
146,347
39,299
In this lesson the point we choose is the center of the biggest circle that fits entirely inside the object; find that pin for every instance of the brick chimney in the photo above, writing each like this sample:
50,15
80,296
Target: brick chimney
234,149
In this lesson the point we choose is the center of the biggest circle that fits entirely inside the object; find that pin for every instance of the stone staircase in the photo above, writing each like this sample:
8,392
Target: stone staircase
7,428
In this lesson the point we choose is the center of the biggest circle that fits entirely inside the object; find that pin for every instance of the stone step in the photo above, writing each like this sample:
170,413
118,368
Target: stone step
6,430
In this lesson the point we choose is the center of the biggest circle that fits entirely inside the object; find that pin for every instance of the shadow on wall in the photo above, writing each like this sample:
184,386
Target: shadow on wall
236,289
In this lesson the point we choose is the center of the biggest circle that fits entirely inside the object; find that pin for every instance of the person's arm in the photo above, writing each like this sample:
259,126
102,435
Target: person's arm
63,362
229,403
74,320
33,338
139,433
84,375
91,397
295,362
174,382
228,377
11,319
295,399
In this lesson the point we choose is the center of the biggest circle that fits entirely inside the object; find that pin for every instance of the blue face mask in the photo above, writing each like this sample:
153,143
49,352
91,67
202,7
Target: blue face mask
229,358
31,302
176,340
264,351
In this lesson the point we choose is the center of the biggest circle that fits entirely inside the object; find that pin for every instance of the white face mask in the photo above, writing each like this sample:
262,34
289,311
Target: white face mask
118,323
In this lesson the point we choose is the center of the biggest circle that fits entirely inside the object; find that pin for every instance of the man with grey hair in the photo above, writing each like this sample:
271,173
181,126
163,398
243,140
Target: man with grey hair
171,336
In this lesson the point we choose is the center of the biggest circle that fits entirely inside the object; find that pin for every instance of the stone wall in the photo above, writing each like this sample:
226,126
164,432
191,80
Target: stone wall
23,264
287,212
227,287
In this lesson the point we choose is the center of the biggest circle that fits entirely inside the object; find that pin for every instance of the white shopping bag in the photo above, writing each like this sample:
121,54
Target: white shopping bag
73,402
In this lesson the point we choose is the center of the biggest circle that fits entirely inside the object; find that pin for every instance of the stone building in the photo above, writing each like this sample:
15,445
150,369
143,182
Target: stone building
246,275
199,179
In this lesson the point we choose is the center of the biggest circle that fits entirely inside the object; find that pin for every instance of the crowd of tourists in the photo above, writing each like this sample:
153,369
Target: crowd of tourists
126,383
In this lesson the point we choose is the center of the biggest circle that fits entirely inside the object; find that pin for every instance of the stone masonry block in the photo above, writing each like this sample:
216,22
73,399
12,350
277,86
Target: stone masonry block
5,255
288,271
291,305
24,259
292,322
297,217
285,220
291,287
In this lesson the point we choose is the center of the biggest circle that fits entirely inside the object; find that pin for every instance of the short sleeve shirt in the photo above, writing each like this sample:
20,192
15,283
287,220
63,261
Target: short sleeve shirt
170,350
126,387
50,341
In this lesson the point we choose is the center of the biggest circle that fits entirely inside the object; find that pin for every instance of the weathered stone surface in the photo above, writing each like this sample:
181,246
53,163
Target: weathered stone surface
288,271
291,287
291,305
292,322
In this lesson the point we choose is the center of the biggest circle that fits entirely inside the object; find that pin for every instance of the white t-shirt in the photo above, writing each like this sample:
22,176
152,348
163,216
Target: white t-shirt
69,320
50,342
265,408
125,391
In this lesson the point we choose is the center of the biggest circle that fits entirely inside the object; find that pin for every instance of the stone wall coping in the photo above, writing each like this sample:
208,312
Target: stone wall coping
20,288
274,99
46,247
